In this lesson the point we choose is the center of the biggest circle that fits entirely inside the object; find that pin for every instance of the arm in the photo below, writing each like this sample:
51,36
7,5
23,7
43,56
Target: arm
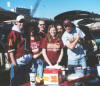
37,55
11,48
81,40
45,56
71,45
11,54
84,43
60,57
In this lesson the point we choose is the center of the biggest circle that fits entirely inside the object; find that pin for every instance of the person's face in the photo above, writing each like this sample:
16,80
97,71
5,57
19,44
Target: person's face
53,32
59,29
41,25
20,24
68,29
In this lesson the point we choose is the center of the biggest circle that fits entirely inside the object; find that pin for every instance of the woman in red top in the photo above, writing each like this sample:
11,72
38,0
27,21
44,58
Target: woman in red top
52,47
35,45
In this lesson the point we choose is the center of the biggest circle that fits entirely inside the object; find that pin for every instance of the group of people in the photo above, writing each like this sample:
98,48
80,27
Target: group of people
39,48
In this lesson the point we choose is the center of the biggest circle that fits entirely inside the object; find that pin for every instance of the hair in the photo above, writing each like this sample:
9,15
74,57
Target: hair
58,24
68,23
33,30
49,37
28,28
40,20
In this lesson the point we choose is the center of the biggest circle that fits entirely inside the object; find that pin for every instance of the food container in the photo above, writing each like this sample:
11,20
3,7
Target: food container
52,76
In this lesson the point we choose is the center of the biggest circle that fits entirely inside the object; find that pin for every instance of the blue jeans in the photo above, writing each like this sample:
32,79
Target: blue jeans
21,75
38,66
81,61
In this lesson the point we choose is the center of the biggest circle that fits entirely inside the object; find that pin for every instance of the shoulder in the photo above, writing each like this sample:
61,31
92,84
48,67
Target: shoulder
65,34
13,34
78,29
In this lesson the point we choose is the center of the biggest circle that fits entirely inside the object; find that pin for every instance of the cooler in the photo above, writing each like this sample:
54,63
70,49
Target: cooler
52,76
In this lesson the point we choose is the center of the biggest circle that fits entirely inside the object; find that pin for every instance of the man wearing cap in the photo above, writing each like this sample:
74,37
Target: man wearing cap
18,54
72,38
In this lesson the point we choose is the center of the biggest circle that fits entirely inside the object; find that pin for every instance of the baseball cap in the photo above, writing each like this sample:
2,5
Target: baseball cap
67,23
20,18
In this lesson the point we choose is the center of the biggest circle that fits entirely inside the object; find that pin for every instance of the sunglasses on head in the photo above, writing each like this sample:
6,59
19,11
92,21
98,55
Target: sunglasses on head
67,25
22,21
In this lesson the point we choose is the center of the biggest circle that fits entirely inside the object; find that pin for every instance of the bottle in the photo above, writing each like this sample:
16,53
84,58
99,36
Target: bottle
98,70
32,75
88,70
63,73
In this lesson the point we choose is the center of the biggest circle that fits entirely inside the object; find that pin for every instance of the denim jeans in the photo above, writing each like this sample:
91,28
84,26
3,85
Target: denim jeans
81,61
40,67
37,66
21,75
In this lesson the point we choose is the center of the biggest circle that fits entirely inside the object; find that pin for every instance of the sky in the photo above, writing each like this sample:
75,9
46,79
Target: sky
51,8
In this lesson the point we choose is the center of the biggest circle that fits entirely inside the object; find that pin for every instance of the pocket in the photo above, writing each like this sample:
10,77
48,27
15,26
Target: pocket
28,58
21,60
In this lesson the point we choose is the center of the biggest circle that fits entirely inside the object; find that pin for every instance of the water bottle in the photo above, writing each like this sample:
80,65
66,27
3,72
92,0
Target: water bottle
88,71
32,79
32,75
98,70
63,73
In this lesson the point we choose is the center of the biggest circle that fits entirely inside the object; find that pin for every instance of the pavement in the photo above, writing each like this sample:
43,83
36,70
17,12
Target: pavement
5,78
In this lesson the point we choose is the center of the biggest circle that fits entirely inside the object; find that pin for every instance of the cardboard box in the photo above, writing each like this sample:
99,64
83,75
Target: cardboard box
52,76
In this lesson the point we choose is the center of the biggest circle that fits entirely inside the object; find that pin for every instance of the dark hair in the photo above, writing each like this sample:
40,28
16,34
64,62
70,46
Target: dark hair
68,23
28,28
60,33
41,20
58,24
33,30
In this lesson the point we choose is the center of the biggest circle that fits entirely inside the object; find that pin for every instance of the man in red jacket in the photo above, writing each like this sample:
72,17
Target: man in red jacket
18,54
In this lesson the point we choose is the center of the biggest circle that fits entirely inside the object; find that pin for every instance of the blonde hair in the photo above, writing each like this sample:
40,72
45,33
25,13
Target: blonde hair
49,37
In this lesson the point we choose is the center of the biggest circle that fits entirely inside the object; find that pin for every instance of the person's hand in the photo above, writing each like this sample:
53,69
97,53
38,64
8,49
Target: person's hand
50,64
71,40
15,67
56,64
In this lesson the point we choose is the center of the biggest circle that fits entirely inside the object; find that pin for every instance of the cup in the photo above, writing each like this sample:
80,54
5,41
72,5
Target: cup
98,70
32,79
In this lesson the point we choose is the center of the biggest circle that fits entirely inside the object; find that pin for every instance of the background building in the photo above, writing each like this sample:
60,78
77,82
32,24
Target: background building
23,11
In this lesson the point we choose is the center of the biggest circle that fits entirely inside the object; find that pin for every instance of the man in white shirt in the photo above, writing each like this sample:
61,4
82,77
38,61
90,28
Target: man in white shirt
72,39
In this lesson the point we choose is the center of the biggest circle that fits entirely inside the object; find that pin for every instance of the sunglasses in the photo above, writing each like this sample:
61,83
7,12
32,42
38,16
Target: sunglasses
67,26
22,21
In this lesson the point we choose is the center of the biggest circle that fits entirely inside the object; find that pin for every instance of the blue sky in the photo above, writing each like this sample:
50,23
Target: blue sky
51,8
